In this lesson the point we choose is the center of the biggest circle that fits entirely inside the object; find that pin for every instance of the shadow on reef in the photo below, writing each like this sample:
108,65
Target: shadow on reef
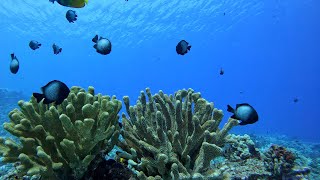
108,170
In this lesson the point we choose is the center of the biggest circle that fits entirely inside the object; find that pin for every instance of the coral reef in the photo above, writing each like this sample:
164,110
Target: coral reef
238,148
279,160
59,142
172,137
242,160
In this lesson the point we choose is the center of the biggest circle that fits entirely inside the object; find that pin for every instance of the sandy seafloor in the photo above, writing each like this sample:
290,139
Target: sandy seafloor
307,153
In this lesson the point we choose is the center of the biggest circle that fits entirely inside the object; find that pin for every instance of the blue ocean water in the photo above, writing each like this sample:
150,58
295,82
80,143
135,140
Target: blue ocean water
269,51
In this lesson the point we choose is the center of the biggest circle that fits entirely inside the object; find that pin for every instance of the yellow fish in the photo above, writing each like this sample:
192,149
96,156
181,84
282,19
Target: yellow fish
71,3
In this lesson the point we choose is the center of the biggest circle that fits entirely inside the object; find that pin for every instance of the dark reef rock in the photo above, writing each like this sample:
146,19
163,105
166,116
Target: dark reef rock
108,170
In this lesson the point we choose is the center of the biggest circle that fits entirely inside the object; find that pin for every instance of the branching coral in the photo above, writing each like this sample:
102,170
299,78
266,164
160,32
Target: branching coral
59,142
172,137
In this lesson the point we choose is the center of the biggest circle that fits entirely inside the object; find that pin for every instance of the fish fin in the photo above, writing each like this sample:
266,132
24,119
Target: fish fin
38,96
46,101
12,56
60,50
100,38
242,104
52,1
95,39
39,44
230,109
189,47
95,46
59,101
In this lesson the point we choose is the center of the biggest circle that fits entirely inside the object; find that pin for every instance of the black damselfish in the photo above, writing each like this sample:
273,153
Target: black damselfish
34,44
56,49
245,113
14,65
183,47
55,91
71,16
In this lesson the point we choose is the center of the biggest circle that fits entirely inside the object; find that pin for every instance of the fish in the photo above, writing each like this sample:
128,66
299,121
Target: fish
71,16
183,47
245,113
102,46
34,45
56,49
221,71
71,3
14,64
55,91
295,100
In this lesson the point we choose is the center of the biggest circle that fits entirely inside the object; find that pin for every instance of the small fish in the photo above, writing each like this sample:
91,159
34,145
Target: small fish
55,91
224,13
71,3
14,64
245,113
103,45
71,16
295,100
183,47
56,49
34,45
221,71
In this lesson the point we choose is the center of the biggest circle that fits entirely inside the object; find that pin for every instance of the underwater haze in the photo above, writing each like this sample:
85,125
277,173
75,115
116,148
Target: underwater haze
268,49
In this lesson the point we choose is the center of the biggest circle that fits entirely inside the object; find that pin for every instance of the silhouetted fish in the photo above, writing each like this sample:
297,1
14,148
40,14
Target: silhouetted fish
71,16
56,49
221,71
14,64
55,91
103,45
34,45
245,113
183,47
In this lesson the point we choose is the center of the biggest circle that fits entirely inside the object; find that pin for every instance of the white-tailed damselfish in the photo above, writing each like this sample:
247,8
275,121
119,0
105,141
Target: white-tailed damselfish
14,64
34,45
55,91
71,3
103,45
245,113
56,49
71,16
183,47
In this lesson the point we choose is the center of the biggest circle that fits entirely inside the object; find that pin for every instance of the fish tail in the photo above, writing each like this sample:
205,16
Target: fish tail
12,56
60,50
95,39
230,109
189,47
38,96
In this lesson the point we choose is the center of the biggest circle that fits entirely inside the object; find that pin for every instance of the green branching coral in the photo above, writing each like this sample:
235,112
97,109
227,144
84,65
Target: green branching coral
172,137
59,142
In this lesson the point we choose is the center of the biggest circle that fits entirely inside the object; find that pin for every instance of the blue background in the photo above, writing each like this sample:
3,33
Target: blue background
270,51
